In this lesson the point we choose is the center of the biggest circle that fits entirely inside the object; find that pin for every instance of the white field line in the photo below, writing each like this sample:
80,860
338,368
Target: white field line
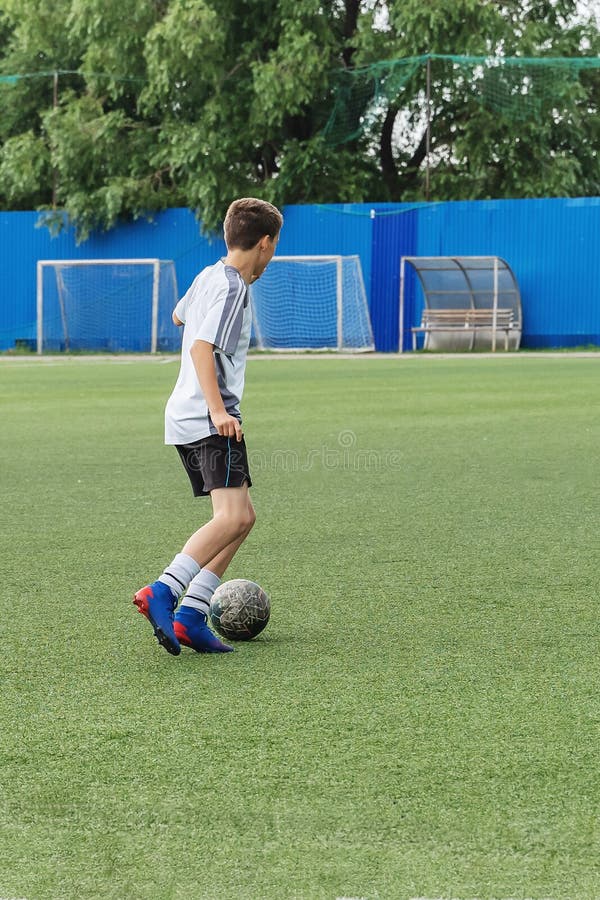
27,360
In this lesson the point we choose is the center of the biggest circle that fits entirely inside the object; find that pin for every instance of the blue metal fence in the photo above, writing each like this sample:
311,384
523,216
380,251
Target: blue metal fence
173,235
553,248
552,245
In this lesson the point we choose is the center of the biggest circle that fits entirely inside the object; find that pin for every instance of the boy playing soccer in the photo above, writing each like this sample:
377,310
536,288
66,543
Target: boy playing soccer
202,420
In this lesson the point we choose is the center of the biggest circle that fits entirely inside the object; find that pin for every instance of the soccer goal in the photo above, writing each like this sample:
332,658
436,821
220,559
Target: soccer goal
312,303
112,305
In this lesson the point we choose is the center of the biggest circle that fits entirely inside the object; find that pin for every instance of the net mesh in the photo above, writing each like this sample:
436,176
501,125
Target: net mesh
107,307
516,88
312,304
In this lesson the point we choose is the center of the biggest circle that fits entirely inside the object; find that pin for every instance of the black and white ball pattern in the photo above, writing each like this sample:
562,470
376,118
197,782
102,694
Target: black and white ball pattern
239,609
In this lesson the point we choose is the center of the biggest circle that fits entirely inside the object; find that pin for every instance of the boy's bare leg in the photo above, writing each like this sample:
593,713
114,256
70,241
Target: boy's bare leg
234,514
221,561
218,540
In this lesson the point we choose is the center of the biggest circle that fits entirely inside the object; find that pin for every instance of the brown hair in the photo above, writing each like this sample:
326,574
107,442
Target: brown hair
248,220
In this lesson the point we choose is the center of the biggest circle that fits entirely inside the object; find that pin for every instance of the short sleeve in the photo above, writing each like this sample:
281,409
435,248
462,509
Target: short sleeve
223,321
180,309
182,306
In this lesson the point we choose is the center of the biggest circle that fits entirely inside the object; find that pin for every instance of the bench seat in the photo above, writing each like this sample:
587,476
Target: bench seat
462,321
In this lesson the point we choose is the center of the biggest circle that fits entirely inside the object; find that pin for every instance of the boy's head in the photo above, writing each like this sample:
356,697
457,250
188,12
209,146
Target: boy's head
248,221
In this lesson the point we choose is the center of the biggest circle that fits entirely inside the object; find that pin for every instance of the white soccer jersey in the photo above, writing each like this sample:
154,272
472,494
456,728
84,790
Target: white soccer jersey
216,309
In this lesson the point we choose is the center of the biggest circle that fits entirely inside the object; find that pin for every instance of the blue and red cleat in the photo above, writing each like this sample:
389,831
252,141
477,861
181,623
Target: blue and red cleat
192,631
157,602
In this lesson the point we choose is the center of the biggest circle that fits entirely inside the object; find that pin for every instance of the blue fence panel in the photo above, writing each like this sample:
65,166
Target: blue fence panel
340,229
395,231
552,245
174,234
553,248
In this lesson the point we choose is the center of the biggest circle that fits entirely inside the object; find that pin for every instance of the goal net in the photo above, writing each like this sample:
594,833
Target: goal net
312,303
112,305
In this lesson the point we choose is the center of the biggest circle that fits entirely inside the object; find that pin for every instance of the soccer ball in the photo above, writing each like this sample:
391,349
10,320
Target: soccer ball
239,609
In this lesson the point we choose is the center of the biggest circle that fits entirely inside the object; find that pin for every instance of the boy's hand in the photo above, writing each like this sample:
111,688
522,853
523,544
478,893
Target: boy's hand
227,426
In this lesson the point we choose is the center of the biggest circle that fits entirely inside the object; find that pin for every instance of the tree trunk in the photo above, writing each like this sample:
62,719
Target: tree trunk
386,154
350,23
410,175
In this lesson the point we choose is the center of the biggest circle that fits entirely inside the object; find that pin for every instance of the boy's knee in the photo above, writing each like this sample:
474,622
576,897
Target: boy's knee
246,521
250,517
238,524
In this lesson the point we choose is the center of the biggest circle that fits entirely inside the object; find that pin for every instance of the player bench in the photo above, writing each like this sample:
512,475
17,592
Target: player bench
464,321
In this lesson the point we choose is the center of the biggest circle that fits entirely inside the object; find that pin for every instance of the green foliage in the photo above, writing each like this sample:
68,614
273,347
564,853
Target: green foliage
24,166
100,159
194,102
183,53
513,131
35,36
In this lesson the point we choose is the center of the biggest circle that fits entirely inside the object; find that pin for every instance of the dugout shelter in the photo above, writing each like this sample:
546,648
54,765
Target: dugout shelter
467,303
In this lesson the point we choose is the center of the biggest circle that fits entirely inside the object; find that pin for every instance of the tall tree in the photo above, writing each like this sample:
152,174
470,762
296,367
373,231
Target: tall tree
504,131
193,102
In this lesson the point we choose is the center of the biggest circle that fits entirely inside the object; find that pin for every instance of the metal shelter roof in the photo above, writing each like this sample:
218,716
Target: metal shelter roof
465,282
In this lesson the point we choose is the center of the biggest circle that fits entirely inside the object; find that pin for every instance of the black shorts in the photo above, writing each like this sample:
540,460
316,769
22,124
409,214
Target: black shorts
215,462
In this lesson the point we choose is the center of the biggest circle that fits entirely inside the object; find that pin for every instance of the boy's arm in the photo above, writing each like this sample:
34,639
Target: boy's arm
176,319
202,354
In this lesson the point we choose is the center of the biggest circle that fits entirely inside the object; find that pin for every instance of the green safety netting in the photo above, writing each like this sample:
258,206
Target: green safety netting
518,88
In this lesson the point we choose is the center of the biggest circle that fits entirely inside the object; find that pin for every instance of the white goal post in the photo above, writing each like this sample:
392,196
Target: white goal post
117,305
312,303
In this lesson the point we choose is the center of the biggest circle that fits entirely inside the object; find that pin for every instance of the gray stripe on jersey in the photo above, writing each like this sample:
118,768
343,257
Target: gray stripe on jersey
234,326
231,307
230,401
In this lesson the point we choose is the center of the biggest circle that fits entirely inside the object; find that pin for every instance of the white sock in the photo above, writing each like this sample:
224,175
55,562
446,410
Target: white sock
200,591
179,574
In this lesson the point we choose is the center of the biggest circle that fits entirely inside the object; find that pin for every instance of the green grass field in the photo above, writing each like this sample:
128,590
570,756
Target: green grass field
421,718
